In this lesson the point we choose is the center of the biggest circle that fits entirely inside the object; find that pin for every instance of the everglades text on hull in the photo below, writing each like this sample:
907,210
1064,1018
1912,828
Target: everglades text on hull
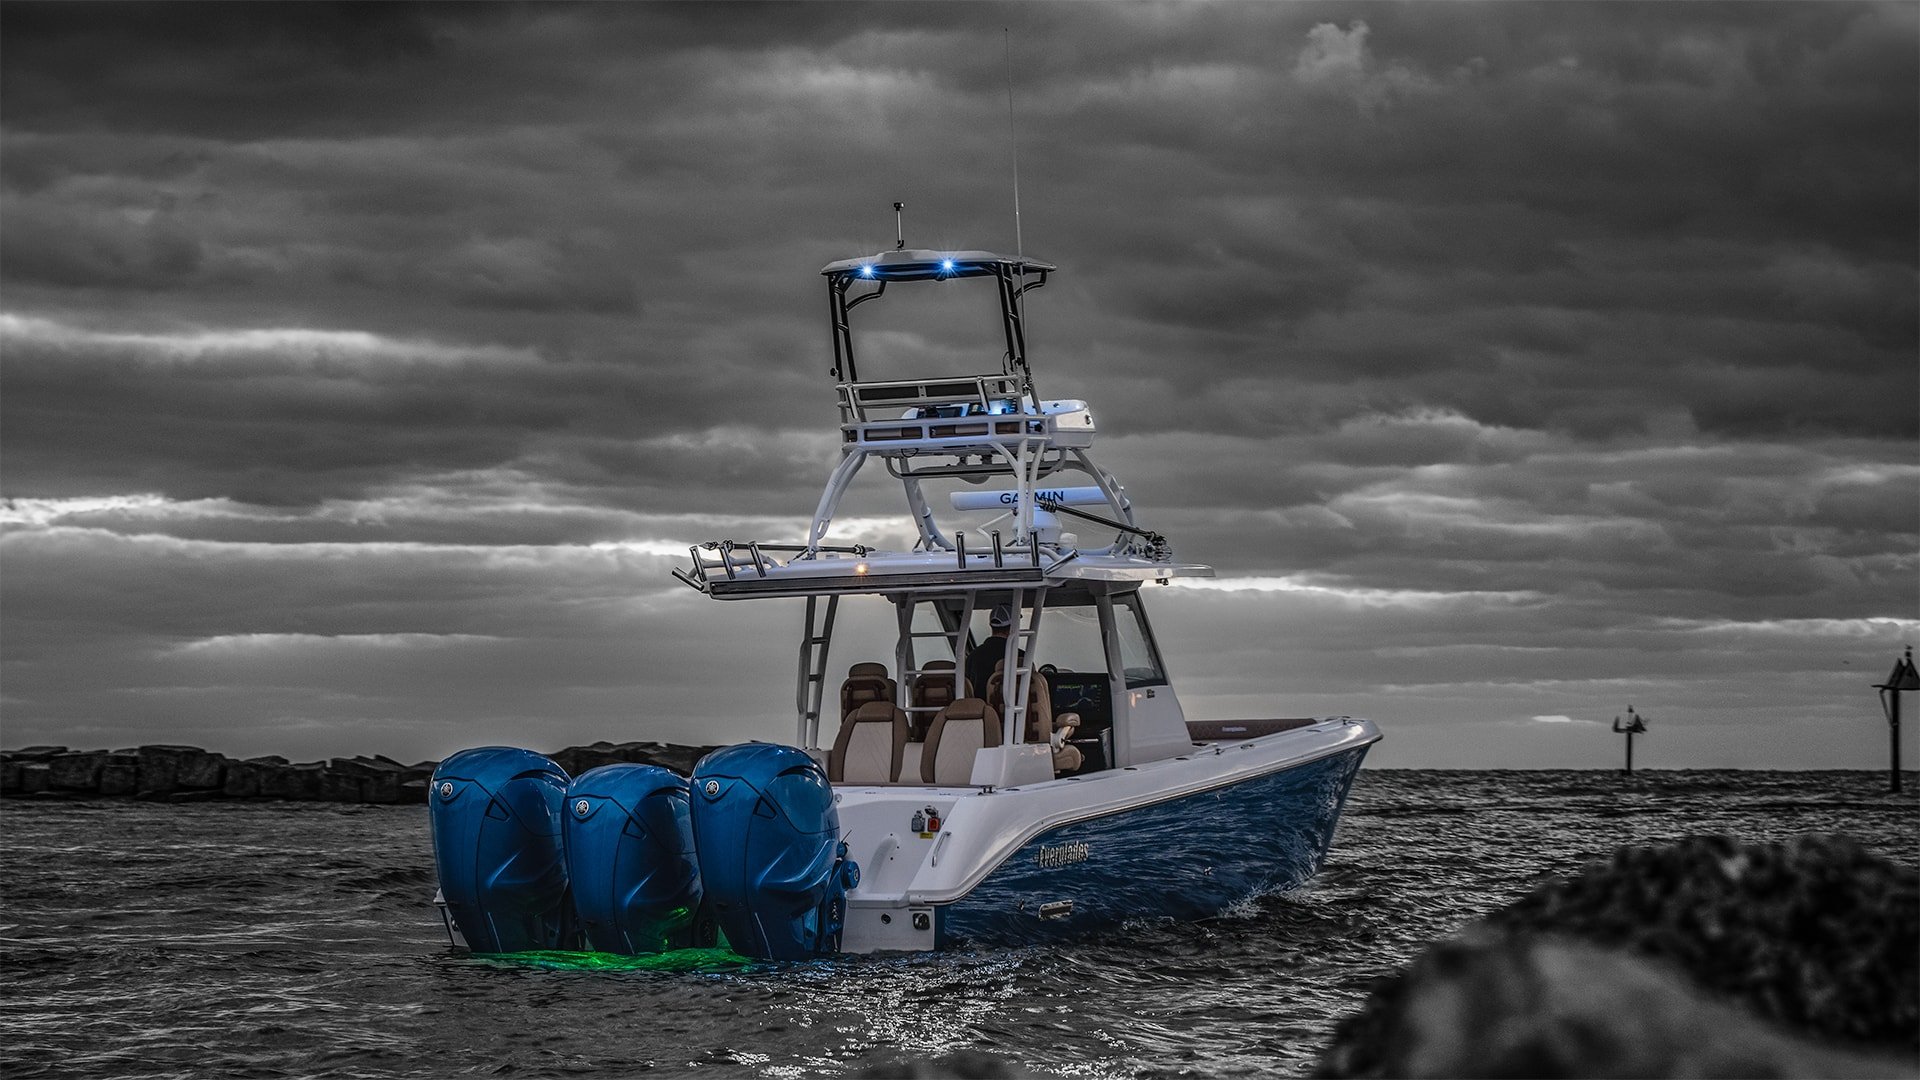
1019,768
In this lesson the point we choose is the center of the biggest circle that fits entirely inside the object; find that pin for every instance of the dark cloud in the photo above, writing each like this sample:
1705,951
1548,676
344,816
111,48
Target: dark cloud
1546,351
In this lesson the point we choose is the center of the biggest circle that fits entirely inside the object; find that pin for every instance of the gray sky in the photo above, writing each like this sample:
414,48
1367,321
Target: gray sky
362,369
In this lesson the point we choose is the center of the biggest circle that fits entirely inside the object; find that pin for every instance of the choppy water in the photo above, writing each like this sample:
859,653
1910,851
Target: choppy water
297,940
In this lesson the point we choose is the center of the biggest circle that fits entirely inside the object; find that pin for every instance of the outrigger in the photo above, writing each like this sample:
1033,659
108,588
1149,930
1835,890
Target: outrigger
992,785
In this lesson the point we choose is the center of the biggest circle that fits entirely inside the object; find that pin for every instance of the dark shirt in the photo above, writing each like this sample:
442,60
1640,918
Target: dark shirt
980,662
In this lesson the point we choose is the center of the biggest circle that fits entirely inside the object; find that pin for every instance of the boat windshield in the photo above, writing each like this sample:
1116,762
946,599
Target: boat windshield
1138,657
1070,640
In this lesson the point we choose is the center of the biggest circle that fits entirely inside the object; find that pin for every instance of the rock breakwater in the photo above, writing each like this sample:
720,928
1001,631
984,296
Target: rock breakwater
191,774
1706,957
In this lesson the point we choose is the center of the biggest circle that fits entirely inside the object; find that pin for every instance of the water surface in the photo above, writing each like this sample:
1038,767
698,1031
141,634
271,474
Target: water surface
284,939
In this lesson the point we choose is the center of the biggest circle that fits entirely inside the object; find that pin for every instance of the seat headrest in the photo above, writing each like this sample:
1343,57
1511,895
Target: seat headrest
937,665
867,668
969,708
874,712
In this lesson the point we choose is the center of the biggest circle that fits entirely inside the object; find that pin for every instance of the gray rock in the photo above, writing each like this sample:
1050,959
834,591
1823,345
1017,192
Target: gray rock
295,782
243,780
1808,942
377,779
35,777
1816,933
159,771
160,768
77,770
120,773
578,759
339,787
1553,1008
202,771
680,759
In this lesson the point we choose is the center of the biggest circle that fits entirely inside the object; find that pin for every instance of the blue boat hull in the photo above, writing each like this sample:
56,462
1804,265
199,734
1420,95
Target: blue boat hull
1186,858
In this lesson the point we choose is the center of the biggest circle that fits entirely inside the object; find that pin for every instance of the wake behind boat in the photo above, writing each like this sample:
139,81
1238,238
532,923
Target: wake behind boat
986,784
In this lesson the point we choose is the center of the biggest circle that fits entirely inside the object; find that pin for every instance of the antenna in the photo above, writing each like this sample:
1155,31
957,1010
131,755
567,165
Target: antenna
1019,248
899,227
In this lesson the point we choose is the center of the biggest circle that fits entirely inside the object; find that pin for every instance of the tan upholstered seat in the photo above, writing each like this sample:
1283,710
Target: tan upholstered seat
1039,703
958,731
868,749
1040,720
866,682
933,691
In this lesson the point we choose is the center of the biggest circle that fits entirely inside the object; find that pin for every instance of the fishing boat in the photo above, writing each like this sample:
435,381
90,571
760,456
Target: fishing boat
1018,769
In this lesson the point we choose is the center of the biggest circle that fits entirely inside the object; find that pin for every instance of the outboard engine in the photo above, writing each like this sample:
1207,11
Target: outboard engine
629,844
771,860
497,845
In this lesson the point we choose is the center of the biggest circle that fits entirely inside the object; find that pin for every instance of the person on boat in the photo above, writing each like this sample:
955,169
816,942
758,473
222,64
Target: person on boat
991,651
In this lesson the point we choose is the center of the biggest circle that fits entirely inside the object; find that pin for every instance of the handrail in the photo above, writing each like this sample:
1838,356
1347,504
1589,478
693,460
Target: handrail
972,390
734,555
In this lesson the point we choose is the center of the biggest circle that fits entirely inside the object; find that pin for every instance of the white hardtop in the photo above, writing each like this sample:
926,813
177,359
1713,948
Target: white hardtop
920,264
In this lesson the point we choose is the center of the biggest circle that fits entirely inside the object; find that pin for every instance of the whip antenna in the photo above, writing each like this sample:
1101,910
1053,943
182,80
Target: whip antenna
1018,248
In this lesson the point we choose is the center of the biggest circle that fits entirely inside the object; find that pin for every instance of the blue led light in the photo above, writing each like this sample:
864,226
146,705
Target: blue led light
946,264
867,270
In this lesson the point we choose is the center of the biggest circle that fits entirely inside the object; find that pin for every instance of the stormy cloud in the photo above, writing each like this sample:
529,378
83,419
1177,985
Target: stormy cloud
363,367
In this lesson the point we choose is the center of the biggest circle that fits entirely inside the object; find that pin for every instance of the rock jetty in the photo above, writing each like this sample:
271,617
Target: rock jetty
191,774
1707,957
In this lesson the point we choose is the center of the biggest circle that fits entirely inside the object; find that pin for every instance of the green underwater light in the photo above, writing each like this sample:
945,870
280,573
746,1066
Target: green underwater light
695,961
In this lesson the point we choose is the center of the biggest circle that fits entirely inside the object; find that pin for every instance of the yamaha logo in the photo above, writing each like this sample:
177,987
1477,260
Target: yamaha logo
582,807
713,788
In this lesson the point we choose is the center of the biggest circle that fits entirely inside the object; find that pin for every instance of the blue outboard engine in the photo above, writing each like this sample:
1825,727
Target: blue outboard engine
496,842
629,841
771,860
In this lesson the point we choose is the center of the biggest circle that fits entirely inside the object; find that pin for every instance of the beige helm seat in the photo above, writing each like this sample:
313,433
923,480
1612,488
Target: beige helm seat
1042,725
959,731
870,744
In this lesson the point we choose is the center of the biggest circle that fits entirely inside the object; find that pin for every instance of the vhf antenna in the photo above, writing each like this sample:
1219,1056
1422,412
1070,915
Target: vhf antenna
899,227
1019,248
1019,245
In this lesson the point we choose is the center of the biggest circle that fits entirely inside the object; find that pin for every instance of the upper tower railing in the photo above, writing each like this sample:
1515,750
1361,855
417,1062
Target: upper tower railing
1010,273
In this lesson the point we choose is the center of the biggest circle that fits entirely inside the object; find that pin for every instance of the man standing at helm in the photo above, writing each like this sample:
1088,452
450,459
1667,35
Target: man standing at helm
991,651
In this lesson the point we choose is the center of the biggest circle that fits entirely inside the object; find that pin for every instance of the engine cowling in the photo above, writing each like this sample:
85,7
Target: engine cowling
495,813
630,855
771,861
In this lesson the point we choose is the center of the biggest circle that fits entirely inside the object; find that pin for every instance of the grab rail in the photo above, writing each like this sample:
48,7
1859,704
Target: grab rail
977,394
